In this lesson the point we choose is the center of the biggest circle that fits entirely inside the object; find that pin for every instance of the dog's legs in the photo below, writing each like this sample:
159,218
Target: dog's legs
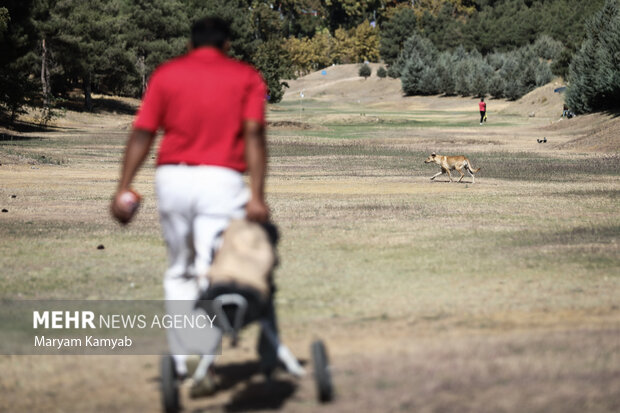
448,172
436,175
462,174
468,169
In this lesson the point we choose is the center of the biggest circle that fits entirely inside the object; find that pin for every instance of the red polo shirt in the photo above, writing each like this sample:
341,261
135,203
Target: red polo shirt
482,106
201,100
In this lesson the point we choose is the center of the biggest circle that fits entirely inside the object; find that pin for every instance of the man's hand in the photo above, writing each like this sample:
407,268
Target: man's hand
124,206
138,146
257,210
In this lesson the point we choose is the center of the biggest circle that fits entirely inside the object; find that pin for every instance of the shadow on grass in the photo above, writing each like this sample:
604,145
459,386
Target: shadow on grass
101,105
256,395
9,137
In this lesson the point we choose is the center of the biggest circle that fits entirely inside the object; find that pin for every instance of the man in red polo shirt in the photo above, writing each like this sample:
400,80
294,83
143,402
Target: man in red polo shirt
212,111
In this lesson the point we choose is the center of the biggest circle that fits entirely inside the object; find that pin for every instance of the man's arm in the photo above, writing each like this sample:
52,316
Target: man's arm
136,151
256,159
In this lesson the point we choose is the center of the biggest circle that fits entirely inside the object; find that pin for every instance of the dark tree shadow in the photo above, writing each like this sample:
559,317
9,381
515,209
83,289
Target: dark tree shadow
24,127
4,137
101,105
613,112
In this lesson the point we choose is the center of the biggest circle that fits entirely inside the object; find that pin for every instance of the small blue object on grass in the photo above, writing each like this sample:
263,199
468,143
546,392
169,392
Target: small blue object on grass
559,89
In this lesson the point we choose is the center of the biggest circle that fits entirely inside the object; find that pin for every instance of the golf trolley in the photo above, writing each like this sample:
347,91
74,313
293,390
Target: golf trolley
236,306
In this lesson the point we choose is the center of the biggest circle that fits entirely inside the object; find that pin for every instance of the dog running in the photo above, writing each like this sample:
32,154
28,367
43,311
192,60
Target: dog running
448,163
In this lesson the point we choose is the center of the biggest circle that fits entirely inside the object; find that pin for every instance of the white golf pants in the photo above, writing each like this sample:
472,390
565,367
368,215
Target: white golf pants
196,203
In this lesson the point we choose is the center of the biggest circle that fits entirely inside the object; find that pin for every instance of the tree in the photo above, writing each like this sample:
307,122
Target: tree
411,75
343,51
17,42
301,55
349,13
238,15
546,47
594,74
543,74
480,76
87,38
497,85
381,72
510,73
365,42
445,72
429,81
273,62
394,32
463,77
157,31
423,49
300,18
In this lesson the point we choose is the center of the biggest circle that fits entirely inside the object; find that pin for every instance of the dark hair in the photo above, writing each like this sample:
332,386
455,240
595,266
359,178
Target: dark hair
210,31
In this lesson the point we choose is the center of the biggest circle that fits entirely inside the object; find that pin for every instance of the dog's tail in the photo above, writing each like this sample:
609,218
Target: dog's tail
471,168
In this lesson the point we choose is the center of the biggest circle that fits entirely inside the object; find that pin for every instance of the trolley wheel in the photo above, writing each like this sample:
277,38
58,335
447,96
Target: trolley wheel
322,375
169,385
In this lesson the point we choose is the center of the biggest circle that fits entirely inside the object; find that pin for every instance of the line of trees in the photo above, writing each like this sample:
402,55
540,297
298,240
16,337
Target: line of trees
425,71
467,47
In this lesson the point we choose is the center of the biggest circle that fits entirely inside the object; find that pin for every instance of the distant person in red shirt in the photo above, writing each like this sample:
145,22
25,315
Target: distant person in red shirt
212,111
483,110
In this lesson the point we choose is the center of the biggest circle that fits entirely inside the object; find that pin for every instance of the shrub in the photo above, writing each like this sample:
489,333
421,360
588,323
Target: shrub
381,72
365,71
393,72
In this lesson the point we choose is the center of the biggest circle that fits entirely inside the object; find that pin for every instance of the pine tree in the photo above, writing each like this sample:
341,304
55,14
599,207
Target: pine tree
273,62
87,37
496,86
418,45
17,43
543,74
411,75
594,73
157,31
394,32
445,73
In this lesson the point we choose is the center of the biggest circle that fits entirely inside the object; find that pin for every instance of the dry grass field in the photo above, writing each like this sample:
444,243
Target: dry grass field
498,296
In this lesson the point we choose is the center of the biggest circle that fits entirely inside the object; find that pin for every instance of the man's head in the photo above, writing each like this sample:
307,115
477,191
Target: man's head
481,99
210,32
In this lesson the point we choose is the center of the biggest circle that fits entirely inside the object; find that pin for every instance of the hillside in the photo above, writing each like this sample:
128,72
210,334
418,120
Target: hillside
541,102
341,84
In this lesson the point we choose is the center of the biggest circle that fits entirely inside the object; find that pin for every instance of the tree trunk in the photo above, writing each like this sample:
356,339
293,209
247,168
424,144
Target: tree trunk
88,100
142,70
45,75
